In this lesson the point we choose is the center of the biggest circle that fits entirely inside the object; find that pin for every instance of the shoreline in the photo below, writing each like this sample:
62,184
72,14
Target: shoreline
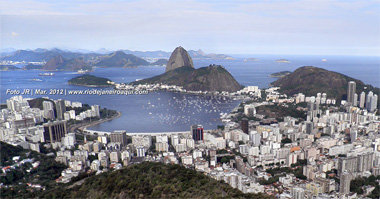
79,127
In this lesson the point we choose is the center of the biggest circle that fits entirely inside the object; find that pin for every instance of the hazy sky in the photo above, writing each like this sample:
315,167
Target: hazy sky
335,27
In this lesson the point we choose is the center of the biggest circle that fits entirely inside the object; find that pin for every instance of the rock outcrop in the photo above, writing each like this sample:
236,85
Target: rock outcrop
179,58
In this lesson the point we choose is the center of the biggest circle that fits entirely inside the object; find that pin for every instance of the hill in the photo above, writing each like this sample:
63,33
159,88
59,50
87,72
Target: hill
160,62
38,103
8,68
60,63
90,81
280,74
44,171
211,78
40,55
150,180
32,67
120,59
312,80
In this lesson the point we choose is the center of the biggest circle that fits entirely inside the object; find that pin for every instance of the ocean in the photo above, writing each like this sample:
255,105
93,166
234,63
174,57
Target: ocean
168,112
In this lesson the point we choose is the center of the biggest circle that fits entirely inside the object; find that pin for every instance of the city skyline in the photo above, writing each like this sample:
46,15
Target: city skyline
242,27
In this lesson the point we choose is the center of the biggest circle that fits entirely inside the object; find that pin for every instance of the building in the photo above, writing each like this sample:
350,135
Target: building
345,180
69,140
197,131
96,110
351,90
244,125
55,131
298,193
372,106
61,109
309,128
48,107
362,100
140,151
119,136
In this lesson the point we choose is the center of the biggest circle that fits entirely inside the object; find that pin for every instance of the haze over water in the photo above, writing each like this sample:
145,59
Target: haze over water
168,112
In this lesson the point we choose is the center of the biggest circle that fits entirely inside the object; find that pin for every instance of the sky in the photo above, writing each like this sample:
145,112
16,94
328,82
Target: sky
315,27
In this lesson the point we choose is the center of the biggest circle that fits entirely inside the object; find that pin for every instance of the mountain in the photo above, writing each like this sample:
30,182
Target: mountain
211,78
150,180
44,55
199,54
8,68
179,58
59,63
90,81
156,54
32,67
120,59
311,80
160,62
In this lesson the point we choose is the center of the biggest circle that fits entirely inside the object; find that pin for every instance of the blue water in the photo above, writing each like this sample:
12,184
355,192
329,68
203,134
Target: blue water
165,111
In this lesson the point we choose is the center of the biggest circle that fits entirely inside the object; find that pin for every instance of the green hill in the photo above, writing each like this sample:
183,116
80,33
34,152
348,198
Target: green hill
211,78
151,180
90,81
120,59
32,67
60,63
311,80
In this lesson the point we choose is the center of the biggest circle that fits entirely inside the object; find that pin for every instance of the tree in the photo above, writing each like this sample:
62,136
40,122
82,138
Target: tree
286,140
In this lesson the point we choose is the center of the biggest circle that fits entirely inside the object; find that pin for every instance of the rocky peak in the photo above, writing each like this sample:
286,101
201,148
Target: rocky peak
179,58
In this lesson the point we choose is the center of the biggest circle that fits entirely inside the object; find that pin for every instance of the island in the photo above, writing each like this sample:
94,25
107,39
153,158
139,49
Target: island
280,74
251,59
282,61
90,81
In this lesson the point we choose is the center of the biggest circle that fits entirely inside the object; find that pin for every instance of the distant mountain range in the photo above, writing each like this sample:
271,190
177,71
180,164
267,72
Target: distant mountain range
44,55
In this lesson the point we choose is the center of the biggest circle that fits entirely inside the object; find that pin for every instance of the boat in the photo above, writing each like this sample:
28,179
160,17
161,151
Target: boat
324,60
37,80
46,74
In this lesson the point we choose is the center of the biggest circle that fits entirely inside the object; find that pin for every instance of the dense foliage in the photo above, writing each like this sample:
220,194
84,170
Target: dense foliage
151,180
357,185
89,80
16,178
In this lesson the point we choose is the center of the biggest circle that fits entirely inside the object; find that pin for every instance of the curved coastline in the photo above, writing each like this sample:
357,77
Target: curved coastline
80,127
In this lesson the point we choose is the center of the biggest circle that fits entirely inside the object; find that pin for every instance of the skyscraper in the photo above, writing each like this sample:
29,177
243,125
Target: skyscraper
61,108
351,90
362,100
197,131
372,103
244,125
368,100
48,107
355,102
55,131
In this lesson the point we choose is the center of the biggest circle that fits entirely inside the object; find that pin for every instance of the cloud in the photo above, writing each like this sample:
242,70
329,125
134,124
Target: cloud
14,34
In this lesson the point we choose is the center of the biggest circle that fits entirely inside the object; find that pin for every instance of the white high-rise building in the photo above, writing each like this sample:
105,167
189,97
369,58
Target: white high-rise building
96,110
368,100
351,90
373,103
69,140
362,100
